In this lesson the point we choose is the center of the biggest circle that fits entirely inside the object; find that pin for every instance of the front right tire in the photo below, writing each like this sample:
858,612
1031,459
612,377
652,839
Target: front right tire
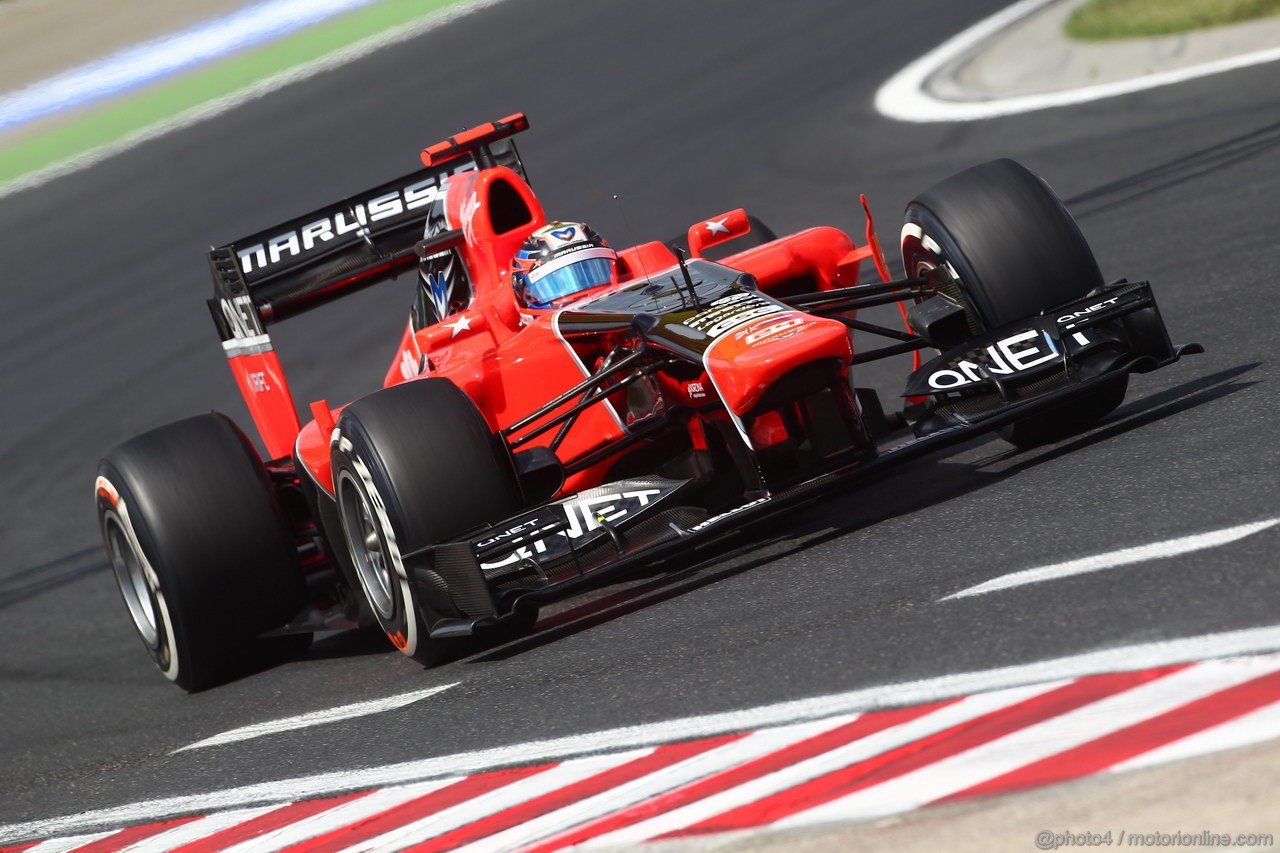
1010,250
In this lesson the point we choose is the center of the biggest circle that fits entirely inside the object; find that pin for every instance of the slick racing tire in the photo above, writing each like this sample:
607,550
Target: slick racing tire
1012,251
200,550
414,465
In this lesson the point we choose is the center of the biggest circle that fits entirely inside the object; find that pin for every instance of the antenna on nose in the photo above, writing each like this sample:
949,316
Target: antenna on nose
688,280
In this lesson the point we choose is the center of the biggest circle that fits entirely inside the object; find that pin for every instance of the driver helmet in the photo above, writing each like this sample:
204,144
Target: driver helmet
560,260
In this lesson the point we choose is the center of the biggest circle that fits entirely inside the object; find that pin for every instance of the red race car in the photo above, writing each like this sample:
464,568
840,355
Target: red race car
557,409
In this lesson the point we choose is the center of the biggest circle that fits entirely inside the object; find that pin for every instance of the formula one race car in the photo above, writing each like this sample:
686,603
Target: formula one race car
556,409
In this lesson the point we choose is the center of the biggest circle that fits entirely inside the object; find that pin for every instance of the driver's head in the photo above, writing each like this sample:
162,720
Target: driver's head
559,260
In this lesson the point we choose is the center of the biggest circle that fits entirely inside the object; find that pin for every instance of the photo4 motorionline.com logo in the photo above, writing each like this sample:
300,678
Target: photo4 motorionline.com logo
1047,839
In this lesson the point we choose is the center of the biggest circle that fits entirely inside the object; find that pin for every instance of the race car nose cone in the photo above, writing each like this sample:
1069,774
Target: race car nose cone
747,361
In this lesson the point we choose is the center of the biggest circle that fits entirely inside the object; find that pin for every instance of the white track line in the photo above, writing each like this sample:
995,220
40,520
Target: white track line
1033,743
316,718
1126,658
1113,559
903,97
218,106
62,845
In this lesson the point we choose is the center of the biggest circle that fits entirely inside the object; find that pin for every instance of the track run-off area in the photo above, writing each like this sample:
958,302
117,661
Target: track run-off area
973,624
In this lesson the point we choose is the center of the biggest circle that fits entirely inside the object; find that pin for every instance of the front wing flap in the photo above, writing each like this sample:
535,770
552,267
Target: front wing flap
1116,330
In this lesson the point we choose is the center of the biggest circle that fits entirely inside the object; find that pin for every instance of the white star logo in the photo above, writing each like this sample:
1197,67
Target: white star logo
460,325
717,226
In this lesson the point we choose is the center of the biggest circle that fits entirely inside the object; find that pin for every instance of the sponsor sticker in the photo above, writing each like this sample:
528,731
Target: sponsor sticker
729,312
1014,354
356,218
1085,312
772,329
583,519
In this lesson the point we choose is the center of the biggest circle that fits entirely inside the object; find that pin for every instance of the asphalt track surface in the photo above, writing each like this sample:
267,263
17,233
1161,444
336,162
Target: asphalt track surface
682,110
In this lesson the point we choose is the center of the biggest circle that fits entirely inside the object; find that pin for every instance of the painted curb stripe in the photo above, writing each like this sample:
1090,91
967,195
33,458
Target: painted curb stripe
517,816
131,836
451,795
1253,727
183,834
839,768
352,813
775,726
273,819
437,822
62,845
644,789
671,804
938,779
845,767
894,763
1119,746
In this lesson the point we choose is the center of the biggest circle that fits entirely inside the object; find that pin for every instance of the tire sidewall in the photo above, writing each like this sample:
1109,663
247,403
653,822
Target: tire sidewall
119,506
357,466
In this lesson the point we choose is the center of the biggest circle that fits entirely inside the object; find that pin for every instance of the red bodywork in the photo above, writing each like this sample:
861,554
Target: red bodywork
513,360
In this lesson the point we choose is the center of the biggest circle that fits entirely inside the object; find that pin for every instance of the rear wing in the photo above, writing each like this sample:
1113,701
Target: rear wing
354,243
368,238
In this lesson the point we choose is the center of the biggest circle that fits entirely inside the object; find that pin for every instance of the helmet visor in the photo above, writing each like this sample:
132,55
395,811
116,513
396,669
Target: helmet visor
544,287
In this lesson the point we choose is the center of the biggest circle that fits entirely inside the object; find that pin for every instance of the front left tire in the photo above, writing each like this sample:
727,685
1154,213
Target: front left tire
200,550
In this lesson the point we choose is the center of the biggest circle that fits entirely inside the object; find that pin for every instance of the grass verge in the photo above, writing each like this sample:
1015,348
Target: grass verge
118,119
1120,19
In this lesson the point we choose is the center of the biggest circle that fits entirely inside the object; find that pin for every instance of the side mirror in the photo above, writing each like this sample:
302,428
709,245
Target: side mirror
716,230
